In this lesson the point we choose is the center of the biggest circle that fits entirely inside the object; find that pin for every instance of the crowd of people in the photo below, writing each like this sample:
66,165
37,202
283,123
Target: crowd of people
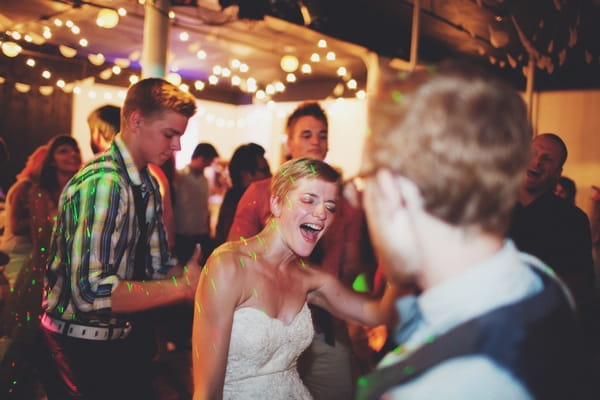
480,265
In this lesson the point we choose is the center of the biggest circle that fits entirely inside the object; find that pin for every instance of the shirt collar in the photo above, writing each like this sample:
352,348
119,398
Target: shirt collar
127,159
499,280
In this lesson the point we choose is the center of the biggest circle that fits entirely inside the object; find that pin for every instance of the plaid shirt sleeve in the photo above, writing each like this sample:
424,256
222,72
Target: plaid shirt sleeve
90,246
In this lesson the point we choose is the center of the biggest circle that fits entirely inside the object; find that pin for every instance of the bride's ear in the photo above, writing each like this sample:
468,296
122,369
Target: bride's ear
275,206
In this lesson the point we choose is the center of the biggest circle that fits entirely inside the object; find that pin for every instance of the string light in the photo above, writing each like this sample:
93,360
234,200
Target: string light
66,51
289,63
107,18
11,49
199,85
174,78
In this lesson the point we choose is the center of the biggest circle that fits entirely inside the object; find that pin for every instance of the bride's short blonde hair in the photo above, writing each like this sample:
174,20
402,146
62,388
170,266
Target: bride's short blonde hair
292,171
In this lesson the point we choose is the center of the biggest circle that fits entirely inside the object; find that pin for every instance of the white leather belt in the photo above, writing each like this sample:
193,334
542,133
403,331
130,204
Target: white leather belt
87,332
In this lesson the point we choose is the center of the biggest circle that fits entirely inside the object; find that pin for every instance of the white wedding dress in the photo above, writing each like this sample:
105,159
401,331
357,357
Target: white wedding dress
262,356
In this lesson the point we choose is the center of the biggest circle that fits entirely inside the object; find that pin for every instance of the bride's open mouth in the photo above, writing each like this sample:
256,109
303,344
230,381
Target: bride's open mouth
310,232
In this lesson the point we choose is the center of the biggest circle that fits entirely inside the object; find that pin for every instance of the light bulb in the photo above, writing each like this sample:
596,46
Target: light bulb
107,18
289,63
11,49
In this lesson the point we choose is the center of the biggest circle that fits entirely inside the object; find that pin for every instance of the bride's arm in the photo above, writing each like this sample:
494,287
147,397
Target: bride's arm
331,294
216,299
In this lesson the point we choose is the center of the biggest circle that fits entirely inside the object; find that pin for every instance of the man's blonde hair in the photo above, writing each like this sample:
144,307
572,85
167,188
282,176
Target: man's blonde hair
463,137
153,96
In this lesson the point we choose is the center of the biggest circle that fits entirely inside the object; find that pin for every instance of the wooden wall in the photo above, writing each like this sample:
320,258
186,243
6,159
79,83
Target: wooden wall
28,120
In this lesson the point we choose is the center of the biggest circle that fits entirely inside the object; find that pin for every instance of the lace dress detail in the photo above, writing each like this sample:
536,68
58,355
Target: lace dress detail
262,356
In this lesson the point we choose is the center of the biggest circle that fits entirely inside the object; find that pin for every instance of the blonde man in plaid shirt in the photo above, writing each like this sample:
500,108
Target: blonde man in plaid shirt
109,262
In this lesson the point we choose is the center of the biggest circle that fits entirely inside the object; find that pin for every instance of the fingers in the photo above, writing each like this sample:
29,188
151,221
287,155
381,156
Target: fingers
196,255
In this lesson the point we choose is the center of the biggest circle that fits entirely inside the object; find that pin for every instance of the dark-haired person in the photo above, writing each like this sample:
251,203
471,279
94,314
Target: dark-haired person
108,262
566,188
104,123
551,228
27,361
192,215
247,165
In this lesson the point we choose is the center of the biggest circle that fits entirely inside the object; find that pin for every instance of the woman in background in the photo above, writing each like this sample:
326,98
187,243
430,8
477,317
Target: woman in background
24,360
16,240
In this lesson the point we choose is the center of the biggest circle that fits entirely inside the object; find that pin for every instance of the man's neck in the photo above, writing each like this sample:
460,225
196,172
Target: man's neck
196,170
450,251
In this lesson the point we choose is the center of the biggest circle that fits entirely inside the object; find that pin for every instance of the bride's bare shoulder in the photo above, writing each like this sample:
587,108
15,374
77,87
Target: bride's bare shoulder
230,257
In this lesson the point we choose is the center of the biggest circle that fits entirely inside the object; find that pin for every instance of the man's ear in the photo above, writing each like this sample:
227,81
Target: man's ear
275,206
410,193
287,146
387,188
398,190
134,120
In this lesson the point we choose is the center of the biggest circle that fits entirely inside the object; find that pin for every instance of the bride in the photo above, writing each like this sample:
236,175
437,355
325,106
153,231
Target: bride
251,319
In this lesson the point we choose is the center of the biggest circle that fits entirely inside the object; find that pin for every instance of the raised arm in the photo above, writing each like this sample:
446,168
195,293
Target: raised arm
217,296
331,294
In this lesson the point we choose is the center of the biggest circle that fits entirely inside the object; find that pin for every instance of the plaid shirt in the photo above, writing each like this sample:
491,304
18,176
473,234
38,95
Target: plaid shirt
93,245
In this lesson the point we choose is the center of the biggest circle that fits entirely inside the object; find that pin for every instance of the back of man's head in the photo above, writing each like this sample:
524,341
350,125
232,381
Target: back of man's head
153,96
206,151
460,135
244,159
107,119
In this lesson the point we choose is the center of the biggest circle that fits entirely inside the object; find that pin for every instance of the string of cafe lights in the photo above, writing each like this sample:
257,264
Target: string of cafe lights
237,73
